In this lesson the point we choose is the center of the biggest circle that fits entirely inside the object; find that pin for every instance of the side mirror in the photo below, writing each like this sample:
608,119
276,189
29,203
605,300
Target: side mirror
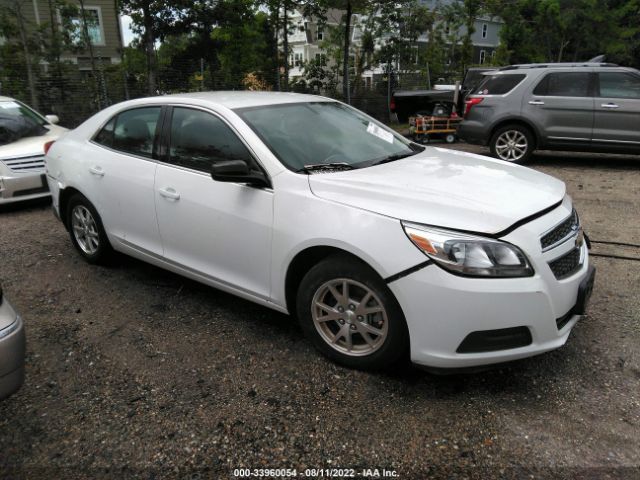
237,171
52,119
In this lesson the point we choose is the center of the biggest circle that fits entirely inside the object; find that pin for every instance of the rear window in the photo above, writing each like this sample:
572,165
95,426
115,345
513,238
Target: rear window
564,84
499,84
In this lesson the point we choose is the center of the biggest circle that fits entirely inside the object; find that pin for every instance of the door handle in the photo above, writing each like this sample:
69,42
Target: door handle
610,105
96,171
536,102
169,193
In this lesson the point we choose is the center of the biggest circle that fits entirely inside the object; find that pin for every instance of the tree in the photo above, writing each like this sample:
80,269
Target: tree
13,24
153,20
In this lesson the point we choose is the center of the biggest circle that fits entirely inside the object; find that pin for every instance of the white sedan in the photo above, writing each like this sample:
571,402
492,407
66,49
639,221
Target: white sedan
24,133
381,247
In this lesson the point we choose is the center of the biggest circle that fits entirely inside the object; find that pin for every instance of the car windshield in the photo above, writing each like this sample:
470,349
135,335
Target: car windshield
321,133
18,121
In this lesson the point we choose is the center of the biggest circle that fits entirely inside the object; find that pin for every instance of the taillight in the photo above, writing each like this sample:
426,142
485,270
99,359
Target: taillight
47,146
392,104
469,103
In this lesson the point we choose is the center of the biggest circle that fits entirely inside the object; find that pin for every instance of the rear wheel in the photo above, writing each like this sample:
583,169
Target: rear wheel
350,315
512,143
86,230
450,138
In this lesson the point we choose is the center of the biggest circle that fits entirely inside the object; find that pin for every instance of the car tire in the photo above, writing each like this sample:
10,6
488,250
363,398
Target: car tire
512,143
87,232
338,329
450,138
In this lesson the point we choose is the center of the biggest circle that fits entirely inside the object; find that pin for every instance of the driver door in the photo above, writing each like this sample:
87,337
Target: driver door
219,230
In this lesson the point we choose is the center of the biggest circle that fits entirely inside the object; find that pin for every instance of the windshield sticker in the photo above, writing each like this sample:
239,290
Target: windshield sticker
375,130
9,105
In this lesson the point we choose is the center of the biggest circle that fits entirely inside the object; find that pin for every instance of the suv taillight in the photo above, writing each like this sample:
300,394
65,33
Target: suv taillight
469,103
47,146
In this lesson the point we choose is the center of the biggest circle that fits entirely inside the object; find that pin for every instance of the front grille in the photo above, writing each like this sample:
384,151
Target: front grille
560,232
33,163
566,265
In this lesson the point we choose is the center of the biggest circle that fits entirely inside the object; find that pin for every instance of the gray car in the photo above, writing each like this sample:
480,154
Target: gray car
12,348
558,106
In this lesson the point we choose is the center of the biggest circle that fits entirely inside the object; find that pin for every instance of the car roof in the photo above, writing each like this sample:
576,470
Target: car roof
234,99
6,99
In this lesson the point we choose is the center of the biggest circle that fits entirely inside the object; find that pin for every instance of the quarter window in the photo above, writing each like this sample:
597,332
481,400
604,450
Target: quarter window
105,136
199,139
564,84
619,85
135,130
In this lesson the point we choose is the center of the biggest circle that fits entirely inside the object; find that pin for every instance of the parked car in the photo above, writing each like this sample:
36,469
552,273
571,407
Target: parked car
310,207
559,106
12,349
23,136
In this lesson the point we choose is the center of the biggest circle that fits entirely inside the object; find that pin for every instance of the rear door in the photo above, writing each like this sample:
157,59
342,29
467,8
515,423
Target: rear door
617,117
561,105
120,171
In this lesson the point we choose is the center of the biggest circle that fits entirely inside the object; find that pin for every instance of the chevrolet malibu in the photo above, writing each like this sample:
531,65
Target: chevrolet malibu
381,247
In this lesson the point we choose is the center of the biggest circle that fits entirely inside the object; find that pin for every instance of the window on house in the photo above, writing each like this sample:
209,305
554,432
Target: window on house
320,33
483,56
93,18
321,59
297,59
485,29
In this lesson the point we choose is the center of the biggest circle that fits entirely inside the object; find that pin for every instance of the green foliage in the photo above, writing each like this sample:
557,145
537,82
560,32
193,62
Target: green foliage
568,30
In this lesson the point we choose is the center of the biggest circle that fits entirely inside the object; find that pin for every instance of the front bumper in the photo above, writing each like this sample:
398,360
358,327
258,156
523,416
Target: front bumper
537,313
18,187
12,351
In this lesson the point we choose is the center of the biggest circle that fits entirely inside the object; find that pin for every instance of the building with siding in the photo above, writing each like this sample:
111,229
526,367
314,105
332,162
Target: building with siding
103,25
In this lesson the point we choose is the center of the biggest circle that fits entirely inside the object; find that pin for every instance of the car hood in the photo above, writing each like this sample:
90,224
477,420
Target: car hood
29,146
444,188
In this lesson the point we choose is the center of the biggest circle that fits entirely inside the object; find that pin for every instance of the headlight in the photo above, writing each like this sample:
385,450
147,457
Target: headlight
469,255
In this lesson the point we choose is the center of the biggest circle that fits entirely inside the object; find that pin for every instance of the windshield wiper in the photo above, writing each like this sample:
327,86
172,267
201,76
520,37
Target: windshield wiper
394,157
326,167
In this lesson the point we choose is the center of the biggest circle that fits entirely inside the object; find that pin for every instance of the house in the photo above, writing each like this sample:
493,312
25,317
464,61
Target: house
306,37
103,28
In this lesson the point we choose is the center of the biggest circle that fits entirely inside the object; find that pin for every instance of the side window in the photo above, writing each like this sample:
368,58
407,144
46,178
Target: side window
499,84
564,84
198,139
135,130
619,85
105,136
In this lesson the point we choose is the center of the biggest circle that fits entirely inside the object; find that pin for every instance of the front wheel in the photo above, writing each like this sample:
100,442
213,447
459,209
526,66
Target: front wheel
512,143
350,315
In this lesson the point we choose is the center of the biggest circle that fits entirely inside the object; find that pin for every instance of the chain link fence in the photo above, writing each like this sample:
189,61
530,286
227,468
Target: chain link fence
74,92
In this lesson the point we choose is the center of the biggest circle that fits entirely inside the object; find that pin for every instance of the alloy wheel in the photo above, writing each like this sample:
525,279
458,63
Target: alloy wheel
511,145
85,230
349,317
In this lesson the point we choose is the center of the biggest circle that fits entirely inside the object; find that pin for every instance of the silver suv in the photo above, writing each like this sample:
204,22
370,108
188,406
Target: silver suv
558,106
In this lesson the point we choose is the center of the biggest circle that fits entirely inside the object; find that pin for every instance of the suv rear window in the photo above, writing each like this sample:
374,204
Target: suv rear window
564,84
499,84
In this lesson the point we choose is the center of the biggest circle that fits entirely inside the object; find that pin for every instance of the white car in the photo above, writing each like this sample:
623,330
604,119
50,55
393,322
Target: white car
23,136
380,246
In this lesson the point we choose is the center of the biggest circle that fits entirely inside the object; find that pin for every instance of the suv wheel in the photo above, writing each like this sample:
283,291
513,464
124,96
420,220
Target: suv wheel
350,315
512,143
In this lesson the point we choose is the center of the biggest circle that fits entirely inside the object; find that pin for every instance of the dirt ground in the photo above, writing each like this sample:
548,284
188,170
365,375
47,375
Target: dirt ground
133,372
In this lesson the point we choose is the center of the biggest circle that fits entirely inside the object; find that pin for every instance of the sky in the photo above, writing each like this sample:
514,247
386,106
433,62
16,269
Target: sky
127,34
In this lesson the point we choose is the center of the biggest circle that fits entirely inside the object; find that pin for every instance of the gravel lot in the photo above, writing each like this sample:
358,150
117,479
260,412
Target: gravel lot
133,372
